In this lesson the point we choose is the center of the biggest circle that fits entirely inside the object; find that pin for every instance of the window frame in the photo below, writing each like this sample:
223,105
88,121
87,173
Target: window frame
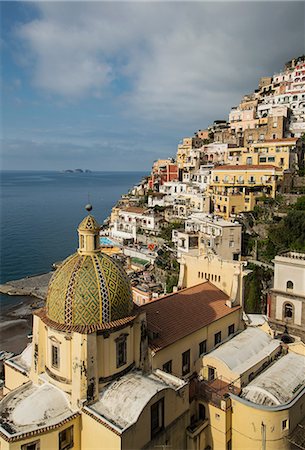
27,446
216,335
204,344
55,355
67,443
169,364
121,350
187,363
230,327
157,415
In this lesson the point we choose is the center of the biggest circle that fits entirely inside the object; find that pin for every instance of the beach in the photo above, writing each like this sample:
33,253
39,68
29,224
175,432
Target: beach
16,319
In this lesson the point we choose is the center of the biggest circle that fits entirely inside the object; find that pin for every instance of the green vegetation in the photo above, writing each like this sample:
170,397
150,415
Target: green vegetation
166,233
168,265
288,234
171,281
256,285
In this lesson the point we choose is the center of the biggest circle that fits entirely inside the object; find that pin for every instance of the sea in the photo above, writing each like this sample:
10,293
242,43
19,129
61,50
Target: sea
40,212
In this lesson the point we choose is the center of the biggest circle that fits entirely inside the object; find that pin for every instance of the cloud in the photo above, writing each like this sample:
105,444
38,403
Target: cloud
161,60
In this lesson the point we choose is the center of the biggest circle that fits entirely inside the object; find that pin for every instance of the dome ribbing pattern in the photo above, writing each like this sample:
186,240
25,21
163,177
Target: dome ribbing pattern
88,290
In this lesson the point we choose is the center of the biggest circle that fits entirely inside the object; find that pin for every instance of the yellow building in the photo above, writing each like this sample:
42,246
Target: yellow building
281,153
85,381
183,152
226,275
179,372
235,189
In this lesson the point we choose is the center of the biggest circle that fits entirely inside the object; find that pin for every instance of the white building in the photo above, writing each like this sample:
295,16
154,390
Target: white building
286,306
205,234
131,221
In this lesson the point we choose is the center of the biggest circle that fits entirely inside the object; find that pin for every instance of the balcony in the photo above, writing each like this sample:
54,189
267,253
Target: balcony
215,391
196,428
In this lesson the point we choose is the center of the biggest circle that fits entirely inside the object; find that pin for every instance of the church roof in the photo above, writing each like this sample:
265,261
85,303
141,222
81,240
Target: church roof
32,408
245,350
89,223
122,401
177,315
88,289
279,384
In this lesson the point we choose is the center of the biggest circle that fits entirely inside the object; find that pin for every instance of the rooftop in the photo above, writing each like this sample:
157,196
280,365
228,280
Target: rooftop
122,401
134,209
245,350
177,315
32,407
217,220
247,167
291,255
279,384
287,140
23,361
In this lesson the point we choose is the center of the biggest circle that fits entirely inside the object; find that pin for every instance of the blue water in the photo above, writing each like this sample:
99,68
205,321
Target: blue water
40,212
106,241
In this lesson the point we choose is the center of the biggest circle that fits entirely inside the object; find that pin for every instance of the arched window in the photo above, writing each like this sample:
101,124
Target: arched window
288,311
289,285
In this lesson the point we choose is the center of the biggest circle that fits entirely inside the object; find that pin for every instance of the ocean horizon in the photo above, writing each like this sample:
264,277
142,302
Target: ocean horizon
40,212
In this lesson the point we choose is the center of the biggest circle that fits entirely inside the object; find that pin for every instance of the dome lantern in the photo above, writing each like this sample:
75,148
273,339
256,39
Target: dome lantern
89,235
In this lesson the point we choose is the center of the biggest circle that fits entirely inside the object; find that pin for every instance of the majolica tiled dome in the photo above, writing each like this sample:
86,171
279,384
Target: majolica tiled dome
89,287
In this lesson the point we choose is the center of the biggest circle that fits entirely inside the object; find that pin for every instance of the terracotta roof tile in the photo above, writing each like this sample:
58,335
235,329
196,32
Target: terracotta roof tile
85,329
134,209
177,315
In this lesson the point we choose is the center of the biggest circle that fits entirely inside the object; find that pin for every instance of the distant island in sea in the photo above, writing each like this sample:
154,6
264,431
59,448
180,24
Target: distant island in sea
76,171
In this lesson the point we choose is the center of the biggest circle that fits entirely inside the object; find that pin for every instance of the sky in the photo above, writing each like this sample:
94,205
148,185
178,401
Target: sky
116,85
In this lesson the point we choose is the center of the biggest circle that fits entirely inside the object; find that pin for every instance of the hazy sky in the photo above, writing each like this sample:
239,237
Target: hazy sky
116,85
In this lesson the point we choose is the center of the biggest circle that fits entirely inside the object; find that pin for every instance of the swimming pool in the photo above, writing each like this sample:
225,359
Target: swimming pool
106,242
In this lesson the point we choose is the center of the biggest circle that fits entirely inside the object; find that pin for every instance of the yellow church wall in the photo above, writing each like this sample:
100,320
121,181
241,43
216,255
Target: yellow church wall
39,344
191,342
49,440
13,379
63,341
96,436
176,419
253,426
106,352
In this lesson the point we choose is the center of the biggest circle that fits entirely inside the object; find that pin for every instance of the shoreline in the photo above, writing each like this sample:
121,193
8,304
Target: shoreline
16,320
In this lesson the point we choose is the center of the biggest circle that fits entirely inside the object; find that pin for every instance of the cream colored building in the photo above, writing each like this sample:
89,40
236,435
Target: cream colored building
286,303
225,275
205,233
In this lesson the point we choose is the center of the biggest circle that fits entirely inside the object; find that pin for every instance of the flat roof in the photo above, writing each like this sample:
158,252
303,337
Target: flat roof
177,315
245,350
278,384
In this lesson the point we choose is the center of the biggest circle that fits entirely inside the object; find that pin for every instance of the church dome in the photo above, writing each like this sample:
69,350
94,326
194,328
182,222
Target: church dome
89,287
